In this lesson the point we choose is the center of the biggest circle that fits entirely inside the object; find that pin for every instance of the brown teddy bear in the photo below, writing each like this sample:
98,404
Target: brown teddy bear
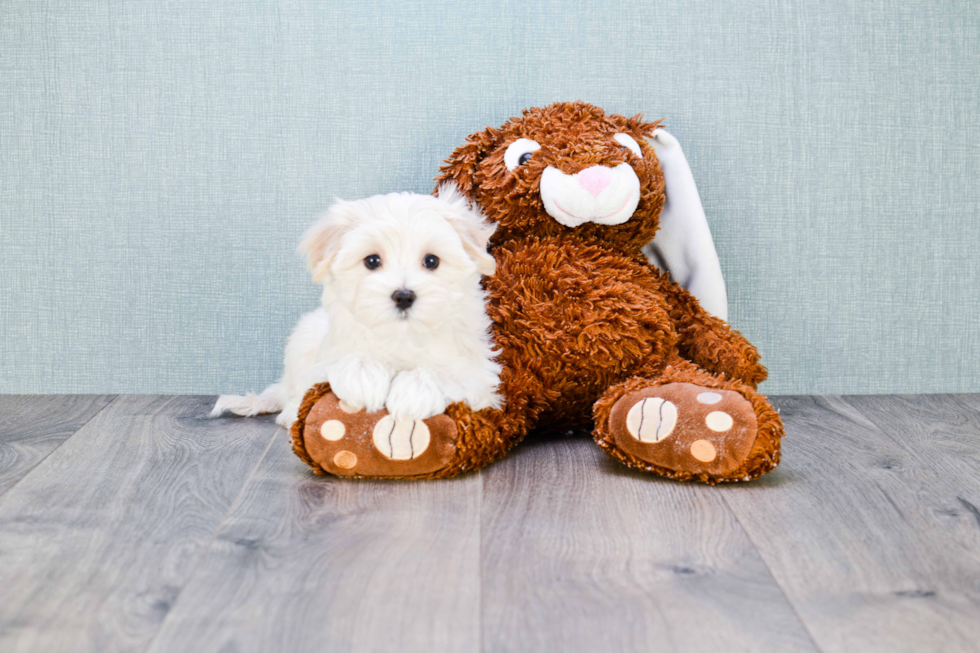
591,335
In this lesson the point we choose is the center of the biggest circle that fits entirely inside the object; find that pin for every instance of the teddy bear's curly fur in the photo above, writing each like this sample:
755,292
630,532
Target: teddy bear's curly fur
585,323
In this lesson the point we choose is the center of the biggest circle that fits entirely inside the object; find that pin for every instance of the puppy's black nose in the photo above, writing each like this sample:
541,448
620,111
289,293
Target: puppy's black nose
403,298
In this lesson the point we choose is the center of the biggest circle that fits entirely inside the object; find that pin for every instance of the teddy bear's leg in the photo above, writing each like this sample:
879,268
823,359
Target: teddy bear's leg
688,424
337,439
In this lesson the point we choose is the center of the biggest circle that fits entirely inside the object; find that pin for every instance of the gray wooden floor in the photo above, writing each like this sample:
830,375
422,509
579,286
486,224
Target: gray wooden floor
137,524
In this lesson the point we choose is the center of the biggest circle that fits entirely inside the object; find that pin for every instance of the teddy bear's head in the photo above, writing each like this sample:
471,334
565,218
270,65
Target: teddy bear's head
567,167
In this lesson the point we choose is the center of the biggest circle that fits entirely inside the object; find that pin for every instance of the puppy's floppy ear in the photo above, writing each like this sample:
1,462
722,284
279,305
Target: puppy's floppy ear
461,165
470,226
321,242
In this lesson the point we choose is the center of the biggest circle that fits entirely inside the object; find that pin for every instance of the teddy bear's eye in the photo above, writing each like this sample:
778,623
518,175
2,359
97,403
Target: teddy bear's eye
630,143
430,262
372,262
519,152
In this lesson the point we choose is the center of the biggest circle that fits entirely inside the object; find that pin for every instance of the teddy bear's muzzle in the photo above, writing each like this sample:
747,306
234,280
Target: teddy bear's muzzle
597,194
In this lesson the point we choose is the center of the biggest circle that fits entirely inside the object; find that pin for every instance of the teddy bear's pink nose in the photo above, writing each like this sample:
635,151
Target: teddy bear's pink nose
594,179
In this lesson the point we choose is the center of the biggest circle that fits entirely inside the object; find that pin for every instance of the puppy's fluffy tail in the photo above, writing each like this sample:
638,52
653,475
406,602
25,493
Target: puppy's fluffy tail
270,401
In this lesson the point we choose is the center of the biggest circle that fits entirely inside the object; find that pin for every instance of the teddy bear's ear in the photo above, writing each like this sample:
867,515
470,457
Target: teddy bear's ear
683,245
321,242
461,165
471,227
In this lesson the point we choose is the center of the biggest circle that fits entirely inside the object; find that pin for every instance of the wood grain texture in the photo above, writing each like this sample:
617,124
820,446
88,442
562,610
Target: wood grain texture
971,401
97,541
153,528
308,563
863,526
33,426
582,554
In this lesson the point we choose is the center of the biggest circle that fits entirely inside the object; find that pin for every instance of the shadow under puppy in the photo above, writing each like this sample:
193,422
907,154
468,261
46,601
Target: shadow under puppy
403,323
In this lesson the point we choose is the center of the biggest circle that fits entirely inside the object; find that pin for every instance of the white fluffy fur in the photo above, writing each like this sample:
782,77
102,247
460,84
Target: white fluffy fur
414,362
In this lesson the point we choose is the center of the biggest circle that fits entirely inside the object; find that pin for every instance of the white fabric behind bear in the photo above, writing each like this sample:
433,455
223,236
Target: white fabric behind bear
683,245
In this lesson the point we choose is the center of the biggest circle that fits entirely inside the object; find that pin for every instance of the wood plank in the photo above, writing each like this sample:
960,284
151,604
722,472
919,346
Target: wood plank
942,430
862,526
971,401
32,426
583,554
308,563
96,543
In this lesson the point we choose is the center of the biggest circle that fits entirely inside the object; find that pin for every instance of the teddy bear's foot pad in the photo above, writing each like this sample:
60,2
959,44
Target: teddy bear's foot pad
349,442
685,427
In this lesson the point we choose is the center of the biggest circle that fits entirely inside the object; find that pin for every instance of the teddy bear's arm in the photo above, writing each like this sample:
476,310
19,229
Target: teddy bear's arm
709,342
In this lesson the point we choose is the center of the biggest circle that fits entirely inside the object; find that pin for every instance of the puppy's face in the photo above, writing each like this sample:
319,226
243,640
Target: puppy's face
401,260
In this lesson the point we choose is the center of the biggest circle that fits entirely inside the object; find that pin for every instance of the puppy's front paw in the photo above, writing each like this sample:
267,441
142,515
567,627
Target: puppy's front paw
360,383
414,395
288,415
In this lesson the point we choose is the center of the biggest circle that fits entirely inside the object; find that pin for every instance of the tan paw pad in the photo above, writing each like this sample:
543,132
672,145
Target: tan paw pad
651,419
345,460
333,430
719,421
401,440
703,450
348,408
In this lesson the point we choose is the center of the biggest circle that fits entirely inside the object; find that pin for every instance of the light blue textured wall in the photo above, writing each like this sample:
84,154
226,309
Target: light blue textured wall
159,160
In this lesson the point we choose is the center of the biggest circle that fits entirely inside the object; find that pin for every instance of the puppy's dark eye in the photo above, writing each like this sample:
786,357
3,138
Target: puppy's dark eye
431,261
524,158
372,262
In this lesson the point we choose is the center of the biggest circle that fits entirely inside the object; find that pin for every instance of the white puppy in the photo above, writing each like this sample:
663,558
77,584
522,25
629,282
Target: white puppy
403,324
